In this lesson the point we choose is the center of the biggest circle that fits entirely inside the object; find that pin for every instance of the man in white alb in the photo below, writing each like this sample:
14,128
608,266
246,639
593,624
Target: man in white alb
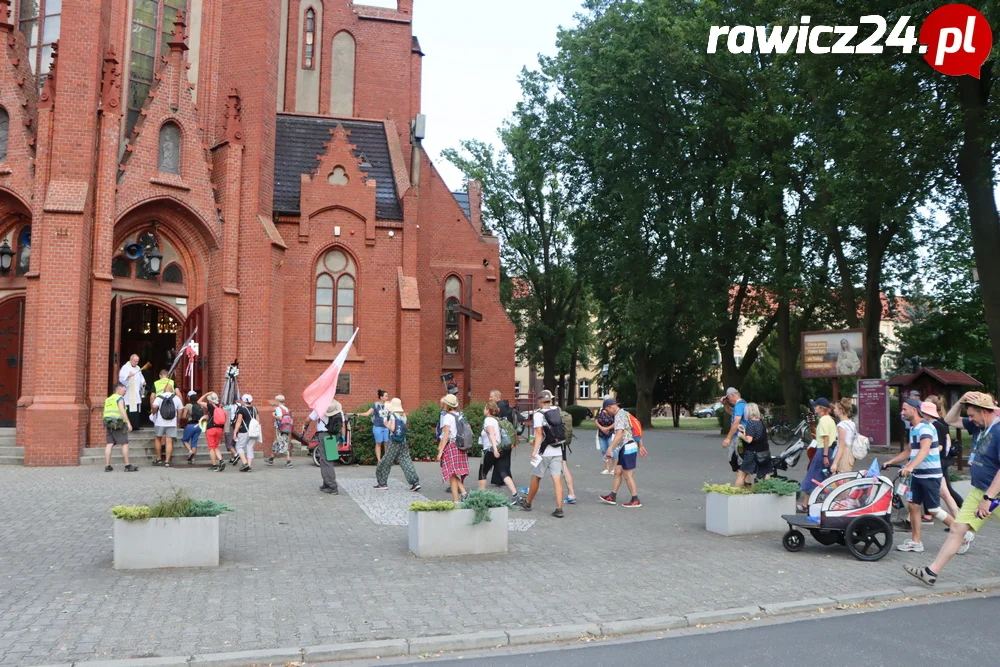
135,385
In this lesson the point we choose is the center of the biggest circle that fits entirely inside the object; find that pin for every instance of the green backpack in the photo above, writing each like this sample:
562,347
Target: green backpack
508,438
567,426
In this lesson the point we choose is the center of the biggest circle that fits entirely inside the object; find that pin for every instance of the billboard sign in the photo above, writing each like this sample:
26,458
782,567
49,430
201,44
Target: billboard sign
831,354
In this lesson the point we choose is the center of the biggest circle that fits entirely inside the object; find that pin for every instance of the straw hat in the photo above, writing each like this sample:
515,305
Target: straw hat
396,406
450,401
334,408
981,400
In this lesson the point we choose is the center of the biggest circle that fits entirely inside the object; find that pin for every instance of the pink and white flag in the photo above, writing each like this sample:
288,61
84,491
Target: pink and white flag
320,393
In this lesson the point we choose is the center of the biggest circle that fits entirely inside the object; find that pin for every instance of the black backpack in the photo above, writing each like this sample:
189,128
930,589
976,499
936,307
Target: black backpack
553,429
167,409
335,424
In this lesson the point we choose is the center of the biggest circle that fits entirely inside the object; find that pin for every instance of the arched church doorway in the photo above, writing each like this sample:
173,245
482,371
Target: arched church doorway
151,332
11,358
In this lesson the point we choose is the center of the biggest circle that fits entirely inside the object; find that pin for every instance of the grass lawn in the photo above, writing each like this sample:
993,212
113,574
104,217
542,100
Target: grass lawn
687,424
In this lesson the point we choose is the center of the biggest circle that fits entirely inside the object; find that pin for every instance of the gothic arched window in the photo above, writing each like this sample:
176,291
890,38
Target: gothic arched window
4,133
40,21
121,267
336,282
309,39
152,30
342,75
452,330
170,148
23,251
173,274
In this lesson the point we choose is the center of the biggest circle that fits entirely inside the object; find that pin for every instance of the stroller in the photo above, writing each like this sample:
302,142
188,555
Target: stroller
789,458
851,509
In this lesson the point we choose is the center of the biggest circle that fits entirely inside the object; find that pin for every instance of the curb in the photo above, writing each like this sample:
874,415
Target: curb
417,646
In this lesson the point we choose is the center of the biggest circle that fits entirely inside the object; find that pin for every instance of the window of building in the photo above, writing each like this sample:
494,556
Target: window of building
4,133
517,388
342,75
121,267
343,384
309,39
170,149
452,330
584,389
152,30
40,21
336,277
173,274
23,251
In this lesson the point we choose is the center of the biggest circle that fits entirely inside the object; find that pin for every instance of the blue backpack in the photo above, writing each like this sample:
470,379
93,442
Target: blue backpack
398,434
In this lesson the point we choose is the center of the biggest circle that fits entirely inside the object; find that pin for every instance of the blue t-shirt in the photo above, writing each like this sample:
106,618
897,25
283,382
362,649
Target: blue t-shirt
984,461
738,410
378,415
930,467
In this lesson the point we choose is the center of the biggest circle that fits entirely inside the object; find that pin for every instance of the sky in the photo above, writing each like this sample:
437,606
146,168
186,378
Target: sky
474,51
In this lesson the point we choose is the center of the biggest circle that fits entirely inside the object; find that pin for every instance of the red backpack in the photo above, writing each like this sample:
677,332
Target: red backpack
218,417
285,423
636,426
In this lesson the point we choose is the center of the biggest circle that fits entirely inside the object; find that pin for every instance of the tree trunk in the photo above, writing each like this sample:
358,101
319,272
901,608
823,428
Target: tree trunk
788,356
675,409
550,380
560,396
571,396
646,372
975,173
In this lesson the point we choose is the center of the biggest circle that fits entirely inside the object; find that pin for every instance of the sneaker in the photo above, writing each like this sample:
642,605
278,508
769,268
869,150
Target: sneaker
635,502
236,459
610,499
214,469
570,500
191,456
108,468
415,487
157,462
910,545
270,461
245,468
166,464
381,487
921,573
131,468
606,472
463,496
525,505
222,466
967,541
288,464
558,513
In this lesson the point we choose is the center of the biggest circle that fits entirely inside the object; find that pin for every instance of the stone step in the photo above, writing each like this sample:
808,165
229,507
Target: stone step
11,460
11,450
7,441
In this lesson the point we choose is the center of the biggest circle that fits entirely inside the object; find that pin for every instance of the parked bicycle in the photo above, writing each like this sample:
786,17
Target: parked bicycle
781,433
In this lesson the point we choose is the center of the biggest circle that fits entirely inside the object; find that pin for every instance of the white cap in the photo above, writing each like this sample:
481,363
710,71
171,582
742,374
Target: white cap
247,398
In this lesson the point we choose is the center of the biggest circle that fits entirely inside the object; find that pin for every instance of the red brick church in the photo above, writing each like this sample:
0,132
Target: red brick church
250,169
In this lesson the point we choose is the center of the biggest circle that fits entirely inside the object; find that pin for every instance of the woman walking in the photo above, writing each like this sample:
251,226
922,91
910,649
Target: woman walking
454,463
215,421
495,456
846,433
605,433
756,451
397,450
826,450
934,407
245,413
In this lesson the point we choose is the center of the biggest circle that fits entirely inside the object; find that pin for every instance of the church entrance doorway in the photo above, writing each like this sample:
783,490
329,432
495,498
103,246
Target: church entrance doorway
151,332
11,357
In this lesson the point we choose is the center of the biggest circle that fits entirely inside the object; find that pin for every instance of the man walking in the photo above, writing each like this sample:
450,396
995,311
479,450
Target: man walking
983,424
117,425
924,470
192,432
546,458
131,376
739,406
627,450
166,407
329,425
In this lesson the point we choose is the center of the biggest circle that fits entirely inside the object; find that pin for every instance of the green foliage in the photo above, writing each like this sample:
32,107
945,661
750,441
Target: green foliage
131,512
433,506
724,423
578,412
778,487
725,489
175,506
955,477
482,501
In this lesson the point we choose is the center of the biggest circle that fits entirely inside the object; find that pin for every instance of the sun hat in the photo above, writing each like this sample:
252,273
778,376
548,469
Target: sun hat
545,396
450,401
396,406
213,397
981,400
334,408
929,409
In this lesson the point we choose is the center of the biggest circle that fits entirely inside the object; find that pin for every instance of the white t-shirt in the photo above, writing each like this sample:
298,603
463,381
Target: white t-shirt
484,438
539,422
320,423
448,419
157,421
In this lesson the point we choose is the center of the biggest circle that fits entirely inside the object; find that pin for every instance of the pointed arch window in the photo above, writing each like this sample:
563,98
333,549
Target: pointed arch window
342,75
23,251
170,148
452,329
4,133
336,283
40,21
152,28
309,39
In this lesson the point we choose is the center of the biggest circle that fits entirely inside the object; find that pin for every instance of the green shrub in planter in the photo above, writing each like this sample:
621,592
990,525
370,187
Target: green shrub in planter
482,502
433,506
778,487
176,506
578,412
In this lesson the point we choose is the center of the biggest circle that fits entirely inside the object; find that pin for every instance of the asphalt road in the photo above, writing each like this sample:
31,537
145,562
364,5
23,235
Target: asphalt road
961,632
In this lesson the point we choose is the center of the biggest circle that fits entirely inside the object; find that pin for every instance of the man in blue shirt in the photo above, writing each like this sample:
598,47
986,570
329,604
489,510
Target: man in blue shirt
924,471
739,407
983,425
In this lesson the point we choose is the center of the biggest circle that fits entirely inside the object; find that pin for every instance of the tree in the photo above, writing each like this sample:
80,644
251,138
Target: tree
526,203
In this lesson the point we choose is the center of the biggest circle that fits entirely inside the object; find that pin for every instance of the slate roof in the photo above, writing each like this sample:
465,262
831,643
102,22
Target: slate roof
463,200
298,145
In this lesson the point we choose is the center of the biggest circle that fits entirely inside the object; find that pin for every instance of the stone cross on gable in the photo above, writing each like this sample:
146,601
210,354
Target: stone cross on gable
465,311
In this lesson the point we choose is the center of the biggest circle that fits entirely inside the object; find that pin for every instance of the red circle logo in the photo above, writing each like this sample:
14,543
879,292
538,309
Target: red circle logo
956,40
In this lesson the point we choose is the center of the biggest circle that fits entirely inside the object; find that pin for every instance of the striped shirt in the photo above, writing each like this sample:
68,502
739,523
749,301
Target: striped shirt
930,467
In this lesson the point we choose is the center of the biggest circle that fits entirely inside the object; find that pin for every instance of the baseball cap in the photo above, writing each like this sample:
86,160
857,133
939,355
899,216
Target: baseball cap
731,391
247,398
914,393
608,402
545,396
192,393
820,403
914,403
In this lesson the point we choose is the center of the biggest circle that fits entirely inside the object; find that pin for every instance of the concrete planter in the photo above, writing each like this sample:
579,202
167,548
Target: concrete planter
158,543
746,514
451,533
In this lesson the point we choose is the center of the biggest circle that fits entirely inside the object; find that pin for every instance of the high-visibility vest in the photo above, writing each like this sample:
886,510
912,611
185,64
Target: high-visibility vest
111,406
161,384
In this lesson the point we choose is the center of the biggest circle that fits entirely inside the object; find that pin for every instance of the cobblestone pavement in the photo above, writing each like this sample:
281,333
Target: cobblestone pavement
302,568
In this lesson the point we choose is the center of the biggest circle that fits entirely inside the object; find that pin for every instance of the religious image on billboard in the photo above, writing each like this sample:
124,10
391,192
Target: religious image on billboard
833,353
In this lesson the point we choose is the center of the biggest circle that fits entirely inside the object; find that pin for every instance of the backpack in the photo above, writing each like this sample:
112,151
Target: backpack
508,437
398,434
553,428
167,409
860,445
253,426
334,424
464,439
636,425
285,422
218,417
567,419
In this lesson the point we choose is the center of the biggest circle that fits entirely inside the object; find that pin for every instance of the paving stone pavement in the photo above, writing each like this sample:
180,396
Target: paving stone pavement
301,568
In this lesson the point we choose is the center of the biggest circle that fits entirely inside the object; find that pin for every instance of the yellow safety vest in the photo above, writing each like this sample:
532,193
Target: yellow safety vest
111,406
161,384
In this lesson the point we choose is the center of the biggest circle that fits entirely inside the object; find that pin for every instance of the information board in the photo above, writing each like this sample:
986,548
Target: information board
873,410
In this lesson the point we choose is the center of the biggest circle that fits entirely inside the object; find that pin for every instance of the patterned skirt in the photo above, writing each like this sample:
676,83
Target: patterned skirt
454,463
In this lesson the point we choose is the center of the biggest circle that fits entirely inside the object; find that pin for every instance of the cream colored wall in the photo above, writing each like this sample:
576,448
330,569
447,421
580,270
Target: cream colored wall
194,42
